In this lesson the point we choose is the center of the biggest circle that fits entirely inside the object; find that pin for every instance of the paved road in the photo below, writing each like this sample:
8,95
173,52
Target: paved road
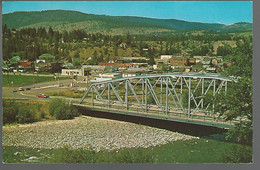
39,88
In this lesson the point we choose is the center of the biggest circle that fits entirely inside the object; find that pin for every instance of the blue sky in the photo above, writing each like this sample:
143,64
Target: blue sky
226,12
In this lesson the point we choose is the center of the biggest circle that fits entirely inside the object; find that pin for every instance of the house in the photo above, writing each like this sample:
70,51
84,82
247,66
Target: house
26,66
166,57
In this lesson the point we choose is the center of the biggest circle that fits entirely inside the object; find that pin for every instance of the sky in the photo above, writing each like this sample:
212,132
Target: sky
225,12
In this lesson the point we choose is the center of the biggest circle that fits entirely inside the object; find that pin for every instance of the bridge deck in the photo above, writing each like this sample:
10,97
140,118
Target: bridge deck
199,119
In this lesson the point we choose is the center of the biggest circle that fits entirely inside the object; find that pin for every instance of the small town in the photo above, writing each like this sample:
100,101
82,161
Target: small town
121,67
81,86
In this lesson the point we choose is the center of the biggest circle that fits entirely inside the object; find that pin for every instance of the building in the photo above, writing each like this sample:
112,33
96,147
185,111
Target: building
211,69
118,66
26,66
192,61
111,75
179,61
92,69
134,72
166,57
106,77
159,61
71,72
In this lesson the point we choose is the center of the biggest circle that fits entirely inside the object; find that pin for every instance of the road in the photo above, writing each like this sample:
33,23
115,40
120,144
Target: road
52,86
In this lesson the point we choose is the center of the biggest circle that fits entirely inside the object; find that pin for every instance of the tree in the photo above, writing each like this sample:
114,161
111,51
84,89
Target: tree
115,51
224,50
65,36
151,60
37,51
50,35
76,55
238,101
128,39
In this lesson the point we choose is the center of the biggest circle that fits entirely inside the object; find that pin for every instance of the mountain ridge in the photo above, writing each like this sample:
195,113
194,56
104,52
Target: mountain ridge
22,19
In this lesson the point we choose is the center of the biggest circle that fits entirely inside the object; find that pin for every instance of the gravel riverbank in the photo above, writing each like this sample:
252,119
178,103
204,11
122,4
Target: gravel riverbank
84,132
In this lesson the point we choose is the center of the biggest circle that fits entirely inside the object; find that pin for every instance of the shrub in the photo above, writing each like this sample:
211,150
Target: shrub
132,156
25,115
69,155
239,154
10,110
23,111
62,110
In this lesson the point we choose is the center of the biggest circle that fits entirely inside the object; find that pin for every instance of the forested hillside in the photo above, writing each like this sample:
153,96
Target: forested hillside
62,20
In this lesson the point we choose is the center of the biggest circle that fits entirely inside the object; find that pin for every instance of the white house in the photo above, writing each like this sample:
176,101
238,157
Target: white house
166,57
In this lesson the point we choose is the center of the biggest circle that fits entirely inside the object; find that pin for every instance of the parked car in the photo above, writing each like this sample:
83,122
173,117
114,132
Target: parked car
28,88
21,89
14,90
42,96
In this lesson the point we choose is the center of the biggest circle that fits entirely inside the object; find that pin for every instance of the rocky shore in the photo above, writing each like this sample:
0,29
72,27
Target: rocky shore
85,132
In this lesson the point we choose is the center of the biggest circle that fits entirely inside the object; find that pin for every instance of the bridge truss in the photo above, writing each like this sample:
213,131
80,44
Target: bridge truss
186,95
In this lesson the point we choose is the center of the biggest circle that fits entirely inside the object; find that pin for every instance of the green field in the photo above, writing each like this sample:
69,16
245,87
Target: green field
20,80
192,151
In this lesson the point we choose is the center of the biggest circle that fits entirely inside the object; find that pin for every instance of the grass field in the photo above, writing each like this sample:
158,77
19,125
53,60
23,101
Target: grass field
19,80
192,151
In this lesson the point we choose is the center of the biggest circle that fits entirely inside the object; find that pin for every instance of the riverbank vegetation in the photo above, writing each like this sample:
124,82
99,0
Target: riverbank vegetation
191,151
33,111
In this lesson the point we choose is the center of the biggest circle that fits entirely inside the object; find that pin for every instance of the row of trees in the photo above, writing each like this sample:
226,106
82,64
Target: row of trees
29,43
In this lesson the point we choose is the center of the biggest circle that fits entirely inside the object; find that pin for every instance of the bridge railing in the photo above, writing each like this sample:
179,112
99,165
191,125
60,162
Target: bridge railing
187,96
122,110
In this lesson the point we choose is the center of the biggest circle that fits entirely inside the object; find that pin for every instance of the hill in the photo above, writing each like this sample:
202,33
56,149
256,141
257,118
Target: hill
69,20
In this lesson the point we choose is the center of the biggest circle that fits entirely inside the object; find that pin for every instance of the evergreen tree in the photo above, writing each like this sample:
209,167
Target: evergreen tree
128,39
115,51
65,36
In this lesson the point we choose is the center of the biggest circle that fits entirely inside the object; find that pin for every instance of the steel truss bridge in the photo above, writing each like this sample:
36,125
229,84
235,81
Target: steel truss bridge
181,97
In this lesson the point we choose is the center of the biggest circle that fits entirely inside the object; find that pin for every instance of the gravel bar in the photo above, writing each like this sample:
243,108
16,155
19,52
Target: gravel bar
85,132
